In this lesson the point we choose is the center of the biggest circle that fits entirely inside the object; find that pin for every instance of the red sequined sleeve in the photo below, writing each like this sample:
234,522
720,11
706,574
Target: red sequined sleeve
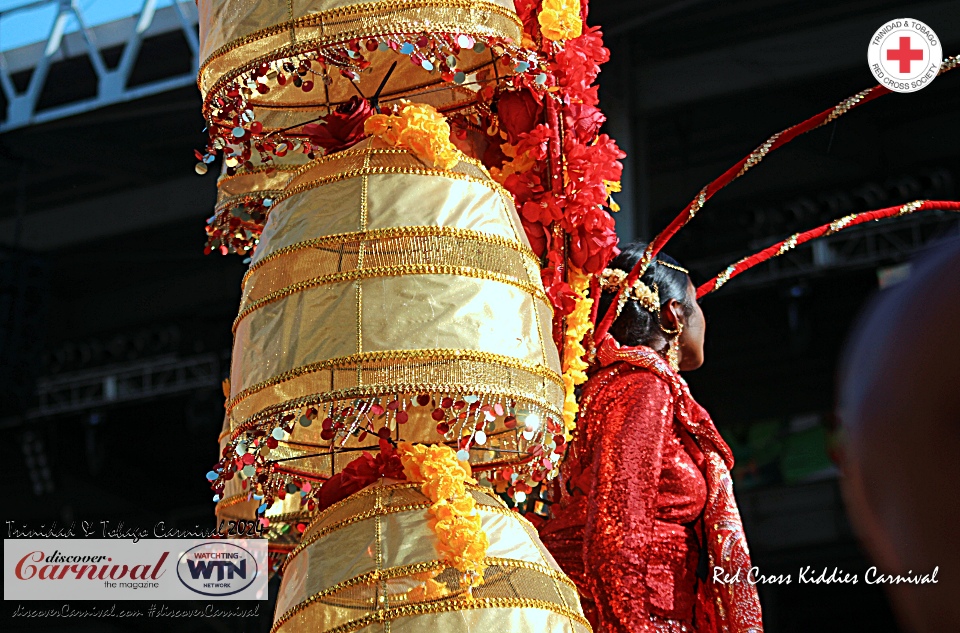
627,439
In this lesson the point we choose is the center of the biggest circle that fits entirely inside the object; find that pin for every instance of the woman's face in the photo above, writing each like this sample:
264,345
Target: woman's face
694,329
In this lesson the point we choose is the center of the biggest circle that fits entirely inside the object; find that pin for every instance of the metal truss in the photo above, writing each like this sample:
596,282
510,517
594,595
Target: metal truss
141,380
112,83
873,244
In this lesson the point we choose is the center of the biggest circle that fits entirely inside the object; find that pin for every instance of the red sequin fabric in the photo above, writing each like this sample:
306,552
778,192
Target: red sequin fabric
648,474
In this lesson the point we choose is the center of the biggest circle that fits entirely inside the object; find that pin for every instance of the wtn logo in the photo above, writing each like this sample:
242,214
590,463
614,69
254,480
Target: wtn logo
218,569
225,569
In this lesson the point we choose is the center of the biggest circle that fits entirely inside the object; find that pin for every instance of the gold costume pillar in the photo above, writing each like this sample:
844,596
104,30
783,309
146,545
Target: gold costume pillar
378,322
388,298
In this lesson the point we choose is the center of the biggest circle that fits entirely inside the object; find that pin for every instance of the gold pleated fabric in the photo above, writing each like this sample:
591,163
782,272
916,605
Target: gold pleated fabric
379,279
363,564
238,36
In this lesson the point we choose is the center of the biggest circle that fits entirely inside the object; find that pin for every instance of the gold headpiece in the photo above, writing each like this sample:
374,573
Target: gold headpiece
614,278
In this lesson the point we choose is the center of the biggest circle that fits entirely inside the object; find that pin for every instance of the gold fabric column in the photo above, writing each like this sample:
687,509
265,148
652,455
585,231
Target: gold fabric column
363,563
380,280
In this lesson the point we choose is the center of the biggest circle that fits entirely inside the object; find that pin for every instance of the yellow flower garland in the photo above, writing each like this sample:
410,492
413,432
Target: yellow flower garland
419,128
574,365
456,522
560,20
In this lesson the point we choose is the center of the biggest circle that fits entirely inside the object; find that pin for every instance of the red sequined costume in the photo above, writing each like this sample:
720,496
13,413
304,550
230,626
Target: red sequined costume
647,475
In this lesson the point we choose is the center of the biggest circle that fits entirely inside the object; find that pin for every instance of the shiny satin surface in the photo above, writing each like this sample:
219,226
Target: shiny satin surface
481,621
224,21
371,253
236,34
361,559
629,533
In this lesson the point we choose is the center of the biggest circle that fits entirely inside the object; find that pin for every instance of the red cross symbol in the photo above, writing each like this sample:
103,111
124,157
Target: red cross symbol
905,54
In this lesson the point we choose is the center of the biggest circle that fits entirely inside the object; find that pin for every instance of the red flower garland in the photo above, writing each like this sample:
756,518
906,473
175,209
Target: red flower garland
562,171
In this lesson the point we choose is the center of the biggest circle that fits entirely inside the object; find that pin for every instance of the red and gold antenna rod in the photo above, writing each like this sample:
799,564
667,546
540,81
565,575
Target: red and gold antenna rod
836,226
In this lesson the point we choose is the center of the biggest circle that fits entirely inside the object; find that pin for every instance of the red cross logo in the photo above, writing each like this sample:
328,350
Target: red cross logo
905,55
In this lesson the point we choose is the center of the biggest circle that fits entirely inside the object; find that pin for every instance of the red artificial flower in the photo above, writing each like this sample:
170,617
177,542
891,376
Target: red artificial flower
583,121
578,63
519,111
544,210
561,295
527,11
341,128
537,141
538,235
360,473
593,243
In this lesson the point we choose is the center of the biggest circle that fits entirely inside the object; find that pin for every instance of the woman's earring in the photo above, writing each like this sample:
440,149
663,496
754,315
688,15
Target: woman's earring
673,350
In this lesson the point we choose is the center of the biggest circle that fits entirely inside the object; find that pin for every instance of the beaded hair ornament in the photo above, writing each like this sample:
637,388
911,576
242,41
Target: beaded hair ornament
613,279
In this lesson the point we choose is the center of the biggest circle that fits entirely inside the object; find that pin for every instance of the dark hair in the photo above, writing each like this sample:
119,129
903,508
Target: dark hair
636,325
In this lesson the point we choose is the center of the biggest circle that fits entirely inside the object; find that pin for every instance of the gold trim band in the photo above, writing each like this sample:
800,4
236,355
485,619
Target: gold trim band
417,568
395,232
372,19
442,606
401,356
391,271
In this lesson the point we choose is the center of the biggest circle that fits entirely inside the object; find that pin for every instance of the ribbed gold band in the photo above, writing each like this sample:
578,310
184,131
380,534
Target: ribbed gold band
399,372
316,31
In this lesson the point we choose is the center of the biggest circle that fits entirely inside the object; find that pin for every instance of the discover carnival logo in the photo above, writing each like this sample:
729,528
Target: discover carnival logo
217,569
149,569
905,55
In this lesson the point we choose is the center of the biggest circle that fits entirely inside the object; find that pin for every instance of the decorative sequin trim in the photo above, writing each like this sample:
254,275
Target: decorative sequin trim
401,356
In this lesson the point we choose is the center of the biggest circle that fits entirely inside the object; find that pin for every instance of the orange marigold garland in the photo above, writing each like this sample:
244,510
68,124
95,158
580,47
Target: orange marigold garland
456,522
419,128
574,365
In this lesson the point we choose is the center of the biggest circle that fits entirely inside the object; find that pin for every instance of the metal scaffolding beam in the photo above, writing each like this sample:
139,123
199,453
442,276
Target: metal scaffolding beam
113,83
149,378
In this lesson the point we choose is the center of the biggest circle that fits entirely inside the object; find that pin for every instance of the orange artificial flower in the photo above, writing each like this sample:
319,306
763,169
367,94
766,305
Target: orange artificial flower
560,20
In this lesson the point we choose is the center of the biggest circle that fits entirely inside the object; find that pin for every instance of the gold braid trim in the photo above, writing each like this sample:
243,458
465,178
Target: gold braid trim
412,170
225,67
402,356
360,20
413,569
380,511
445,606
235,500
393,232
391,271
533,401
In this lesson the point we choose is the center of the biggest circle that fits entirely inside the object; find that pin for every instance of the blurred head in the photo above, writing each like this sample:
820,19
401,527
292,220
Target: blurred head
678,308
898,407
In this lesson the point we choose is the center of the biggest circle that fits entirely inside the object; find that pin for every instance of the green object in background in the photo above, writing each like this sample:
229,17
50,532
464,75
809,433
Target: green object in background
764,441
756,448
805,455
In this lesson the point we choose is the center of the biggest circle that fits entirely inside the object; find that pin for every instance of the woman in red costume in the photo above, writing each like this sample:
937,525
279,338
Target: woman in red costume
646,524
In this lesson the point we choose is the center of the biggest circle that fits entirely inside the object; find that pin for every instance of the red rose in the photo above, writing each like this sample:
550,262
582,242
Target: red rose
341,128
519,111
